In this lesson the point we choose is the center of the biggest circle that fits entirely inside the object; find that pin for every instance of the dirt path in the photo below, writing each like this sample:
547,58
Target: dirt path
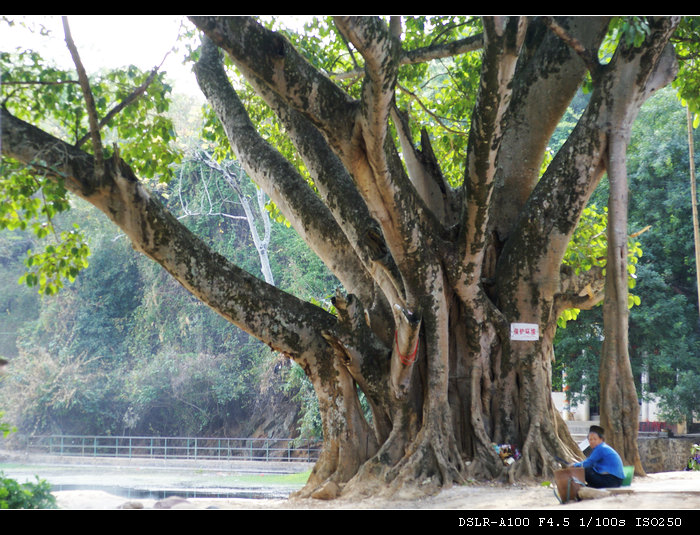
664,491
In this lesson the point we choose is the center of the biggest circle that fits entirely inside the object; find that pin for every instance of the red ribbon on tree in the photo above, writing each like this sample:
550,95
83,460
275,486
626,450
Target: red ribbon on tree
407,360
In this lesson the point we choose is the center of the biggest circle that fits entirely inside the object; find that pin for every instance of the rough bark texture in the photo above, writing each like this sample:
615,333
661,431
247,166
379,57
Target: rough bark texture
433,277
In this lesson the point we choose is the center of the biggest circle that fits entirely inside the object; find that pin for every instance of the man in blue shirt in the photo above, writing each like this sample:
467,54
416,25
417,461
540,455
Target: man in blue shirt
603,466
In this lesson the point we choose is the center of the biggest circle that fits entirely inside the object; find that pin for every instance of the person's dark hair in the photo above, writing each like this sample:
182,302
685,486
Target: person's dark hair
597,430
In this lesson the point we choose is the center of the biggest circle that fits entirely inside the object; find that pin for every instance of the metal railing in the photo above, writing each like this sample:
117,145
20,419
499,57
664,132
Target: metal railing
235,449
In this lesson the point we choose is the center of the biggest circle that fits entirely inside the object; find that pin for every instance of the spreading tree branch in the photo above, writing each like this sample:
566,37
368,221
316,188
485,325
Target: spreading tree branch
340,195
278,177
549,218
267,58
271,64
286,323
503,38
371,168
549,74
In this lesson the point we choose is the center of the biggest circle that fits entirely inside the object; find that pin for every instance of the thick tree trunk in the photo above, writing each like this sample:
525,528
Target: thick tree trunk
490,390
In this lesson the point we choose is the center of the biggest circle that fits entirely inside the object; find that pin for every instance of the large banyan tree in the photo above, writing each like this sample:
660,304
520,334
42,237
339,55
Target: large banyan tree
437,275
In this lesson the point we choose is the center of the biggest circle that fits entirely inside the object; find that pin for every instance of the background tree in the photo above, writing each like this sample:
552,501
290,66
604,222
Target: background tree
435,267
663,331
232,192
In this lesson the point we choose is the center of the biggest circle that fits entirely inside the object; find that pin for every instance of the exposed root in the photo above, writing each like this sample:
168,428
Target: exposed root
546,448
322,472
431,463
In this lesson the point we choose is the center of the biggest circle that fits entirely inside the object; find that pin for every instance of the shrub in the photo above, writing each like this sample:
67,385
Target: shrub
14,495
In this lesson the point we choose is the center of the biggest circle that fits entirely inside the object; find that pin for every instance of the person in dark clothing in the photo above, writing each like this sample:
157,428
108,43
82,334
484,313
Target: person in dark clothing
603,467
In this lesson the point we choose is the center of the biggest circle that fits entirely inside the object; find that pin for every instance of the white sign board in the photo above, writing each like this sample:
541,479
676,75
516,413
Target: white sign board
524,331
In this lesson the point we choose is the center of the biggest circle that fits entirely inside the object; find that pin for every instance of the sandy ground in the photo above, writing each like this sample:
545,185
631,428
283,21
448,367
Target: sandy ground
658,491
663,491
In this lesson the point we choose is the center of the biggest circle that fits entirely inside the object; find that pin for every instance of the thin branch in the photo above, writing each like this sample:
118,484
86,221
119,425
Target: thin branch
188,213
357,68
40,82
440,120
425,54
89,100
123,104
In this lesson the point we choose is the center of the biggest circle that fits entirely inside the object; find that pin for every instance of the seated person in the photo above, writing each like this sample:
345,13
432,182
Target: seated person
603,467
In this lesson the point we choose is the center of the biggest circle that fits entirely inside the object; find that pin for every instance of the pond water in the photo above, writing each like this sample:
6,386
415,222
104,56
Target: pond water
258,481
